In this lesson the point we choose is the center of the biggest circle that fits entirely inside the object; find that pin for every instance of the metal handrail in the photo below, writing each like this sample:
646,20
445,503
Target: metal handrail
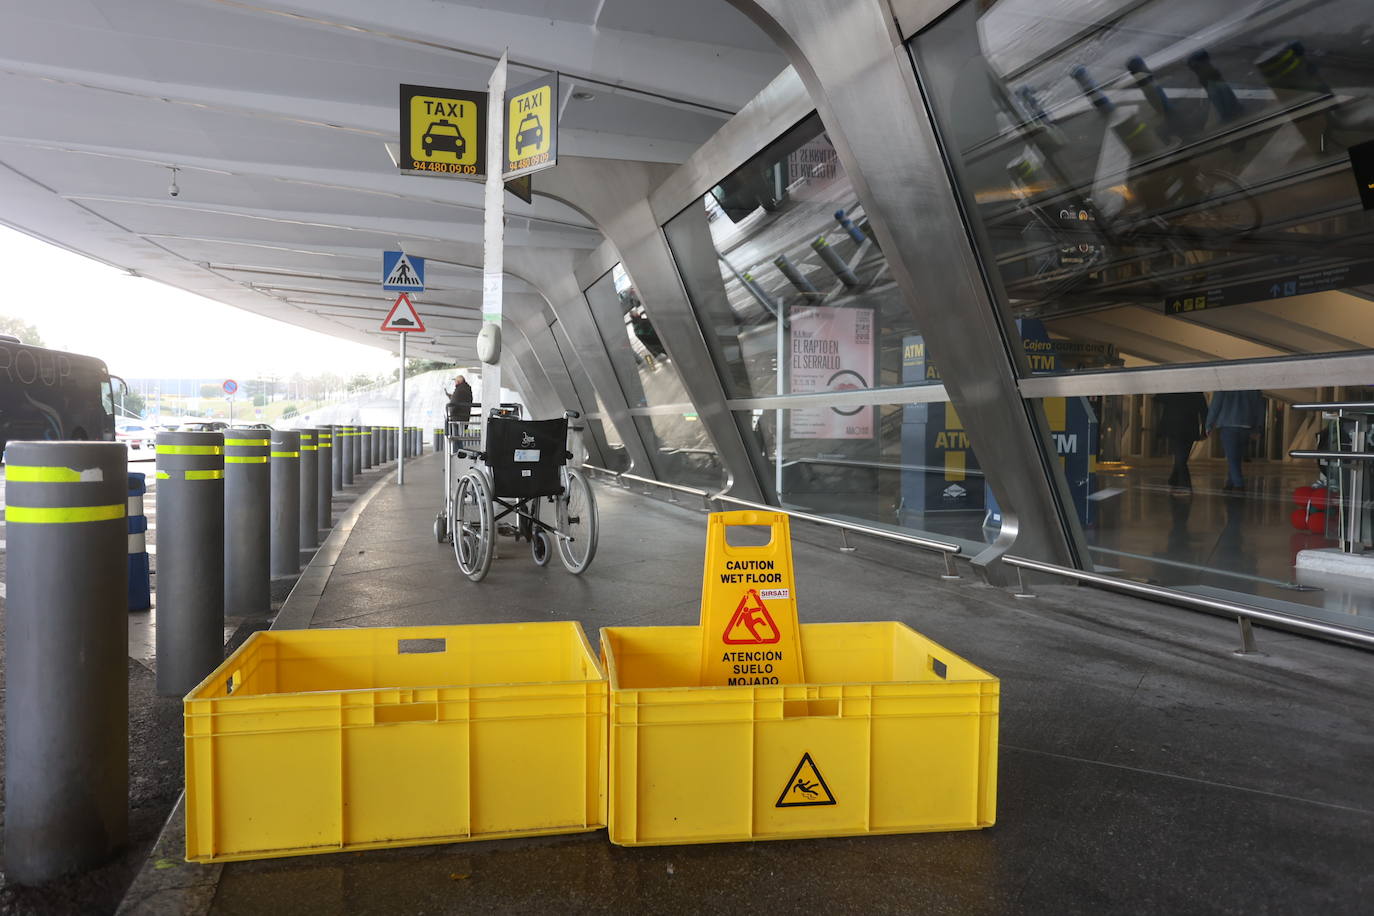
663,483
875,465
947,550
1337,405
1357,456
1242,612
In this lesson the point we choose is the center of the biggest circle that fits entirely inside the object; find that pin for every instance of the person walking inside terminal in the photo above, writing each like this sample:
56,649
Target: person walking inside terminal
460,399
1181,425
1239,415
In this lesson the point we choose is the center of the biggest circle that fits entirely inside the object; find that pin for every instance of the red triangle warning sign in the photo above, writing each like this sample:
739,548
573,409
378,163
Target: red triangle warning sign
751,624
806,788
403,316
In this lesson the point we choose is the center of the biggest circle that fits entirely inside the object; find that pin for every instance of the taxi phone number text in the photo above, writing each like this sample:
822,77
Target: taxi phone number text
529,161
443,167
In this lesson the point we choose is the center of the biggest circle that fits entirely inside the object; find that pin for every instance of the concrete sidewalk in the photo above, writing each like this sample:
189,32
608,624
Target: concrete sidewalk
1143,768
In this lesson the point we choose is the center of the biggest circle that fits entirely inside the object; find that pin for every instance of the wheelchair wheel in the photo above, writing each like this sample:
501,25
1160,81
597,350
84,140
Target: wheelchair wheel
441,527
577,523
473,532
540,548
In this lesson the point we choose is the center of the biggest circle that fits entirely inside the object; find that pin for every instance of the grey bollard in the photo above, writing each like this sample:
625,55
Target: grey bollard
309,495
247,502
66,666
336,456
190,559
286,502
357,448
369,454
389,443
438,440
324,500
347,438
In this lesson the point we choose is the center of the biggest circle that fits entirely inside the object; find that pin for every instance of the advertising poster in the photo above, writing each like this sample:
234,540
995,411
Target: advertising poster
832,350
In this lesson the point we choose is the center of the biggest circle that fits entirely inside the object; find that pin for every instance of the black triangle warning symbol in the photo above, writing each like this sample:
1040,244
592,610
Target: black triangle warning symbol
806,788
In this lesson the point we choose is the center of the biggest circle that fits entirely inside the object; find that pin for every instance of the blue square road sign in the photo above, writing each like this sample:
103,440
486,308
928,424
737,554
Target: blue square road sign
403,273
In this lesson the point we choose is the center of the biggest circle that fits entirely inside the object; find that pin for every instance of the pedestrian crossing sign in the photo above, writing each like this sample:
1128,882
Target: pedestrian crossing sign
402,273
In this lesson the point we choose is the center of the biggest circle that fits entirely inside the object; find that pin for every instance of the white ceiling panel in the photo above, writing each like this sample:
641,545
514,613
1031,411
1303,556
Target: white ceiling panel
277,115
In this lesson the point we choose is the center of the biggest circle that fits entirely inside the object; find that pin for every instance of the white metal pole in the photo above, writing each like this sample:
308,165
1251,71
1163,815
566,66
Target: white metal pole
782,381
401,453
493,234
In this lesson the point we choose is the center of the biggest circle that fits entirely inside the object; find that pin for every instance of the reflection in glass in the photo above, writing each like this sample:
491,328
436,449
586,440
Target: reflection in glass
678,443
1167,182
918,473
599,428
1198,531
785,236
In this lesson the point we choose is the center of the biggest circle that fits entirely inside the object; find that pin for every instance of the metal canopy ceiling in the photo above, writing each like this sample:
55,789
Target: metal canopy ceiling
277,115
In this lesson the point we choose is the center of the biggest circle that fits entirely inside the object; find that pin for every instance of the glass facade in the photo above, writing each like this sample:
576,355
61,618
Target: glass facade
599,428
916,471
667,422
1173,489
785,235
1155,185
795,300
1167,183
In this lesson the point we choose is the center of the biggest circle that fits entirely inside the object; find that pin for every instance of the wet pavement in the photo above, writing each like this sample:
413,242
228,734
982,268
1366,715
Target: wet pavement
1143,765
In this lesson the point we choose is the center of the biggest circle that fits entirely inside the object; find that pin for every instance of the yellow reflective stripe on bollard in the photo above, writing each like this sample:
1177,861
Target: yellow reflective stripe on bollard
258,442
19,473
245,459
190,450
36,515
286,454
204,475
310,448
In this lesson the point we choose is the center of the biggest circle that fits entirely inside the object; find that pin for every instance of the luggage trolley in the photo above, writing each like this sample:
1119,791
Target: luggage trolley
524,473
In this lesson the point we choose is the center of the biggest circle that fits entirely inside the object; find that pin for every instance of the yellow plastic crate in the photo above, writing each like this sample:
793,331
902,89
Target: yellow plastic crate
891,734
308,741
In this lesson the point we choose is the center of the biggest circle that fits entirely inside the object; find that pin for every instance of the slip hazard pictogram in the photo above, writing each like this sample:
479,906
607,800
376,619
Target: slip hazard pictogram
751,624
806,788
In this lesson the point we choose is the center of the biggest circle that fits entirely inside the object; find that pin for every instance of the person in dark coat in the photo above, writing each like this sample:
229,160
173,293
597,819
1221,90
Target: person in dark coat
460,400
1181,424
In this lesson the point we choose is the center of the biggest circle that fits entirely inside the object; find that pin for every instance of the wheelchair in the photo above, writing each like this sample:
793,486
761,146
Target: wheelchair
523,487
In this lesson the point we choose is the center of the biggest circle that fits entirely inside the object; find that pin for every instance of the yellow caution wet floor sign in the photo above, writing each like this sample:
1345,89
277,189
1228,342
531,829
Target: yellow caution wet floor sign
749,633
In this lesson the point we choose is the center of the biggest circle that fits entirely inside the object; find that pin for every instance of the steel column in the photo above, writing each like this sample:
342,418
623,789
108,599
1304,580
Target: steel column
615,194
553,273
853,62
66,674
190,559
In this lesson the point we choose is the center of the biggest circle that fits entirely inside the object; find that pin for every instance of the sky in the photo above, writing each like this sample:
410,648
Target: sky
142,328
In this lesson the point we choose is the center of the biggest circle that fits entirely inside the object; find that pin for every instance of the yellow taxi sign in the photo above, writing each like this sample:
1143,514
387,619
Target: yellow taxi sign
532,126
749,632
443,131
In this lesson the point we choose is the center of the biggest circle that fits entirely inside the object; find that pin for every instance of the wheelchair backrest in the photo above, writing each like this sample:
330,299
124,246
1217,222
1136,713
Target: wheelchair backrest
525,456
